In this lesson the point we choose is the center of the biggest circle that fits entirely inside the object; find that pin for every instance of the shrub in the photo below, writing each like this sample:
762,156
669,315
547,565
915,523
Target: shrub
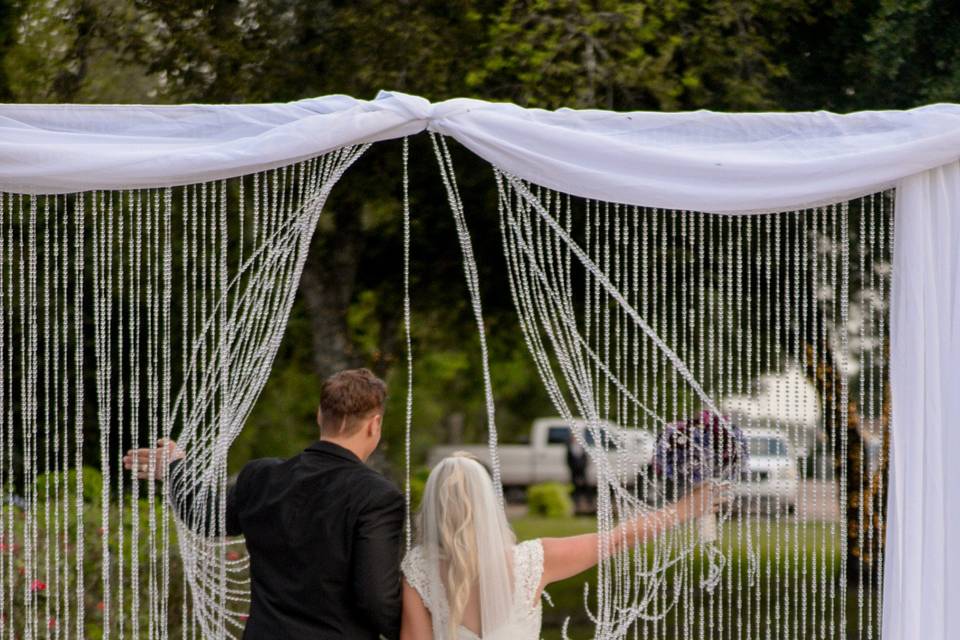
550,500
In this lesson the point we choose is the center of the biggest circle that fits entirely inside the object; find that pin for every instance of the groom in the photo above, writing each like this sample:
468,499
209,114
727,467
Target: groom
322,529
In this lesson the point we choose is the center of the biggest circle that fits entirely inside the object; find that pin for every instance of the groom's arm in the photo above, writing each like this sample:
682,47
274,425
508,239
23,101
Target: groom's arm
376,569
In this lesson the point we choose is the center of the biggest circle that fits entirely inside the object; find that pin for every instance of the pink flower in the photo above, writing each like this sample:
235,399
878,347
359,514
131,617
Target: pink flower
51,623
37,585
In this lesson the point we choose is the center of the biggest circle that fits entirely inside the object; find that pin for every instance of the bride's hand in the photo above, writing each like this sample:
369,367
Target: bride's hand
706,497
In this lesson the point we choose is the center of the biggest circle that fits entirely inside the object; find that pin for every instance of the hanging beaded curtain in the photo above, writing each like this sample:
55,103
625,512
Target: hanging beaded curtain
175,300
643,322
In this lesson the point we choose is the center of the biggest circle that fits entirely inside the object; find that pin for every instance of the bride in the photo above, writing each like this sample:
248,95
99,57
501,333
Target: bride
468,578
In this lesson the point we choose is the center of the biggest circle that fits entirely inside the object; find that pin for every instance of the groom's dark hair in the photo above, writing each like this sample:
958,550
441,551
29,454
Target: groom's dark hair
347,397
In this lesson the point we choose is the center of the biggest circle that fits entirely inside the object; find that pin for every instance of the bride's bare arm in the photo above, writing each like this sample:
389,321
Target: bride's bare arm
415,623
566,557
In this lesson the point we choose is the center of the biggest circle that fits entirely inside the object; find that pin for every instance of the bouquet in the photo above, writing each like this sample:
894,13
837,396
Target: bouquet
701,449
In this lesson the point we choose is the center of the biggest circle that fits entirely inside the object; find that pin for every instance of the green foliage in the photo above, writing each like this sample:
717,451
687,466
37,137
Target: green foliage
418,482
9,18
283,422
79,51
54,484
114,549
628,55
789,549
909,46
550,500
671,54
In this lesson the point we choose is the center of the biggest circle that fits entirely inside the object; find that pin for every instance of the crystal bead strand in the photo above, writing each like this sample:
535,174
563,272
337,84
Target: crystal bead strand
31,419
771,239
867,380
844,398
753,299
154,297
470,269
723,596
408,415
865,205
78,362
186,339
819,275
790,286
882,261
136,265
777,321
808,291
62,436
103,216
6,534
796,435
832,275
166,419
49,416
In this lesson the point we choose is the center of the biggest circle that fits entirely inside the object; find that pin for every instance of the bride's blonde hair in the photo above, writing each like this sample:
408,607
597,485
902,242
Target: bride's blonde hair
461,521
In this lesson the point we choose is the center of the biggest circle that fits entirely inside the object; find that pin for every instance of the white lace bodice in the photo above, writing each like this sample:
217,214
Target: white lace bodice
527,614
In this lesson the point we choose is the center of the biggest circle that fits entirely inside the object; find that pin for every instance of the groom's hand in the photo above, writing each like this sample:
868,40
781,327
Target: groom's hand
156,459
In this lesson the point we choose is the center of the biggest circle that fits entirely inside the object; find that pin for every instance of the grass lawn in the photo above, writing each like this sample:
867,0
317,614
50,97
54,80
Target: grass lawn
796,561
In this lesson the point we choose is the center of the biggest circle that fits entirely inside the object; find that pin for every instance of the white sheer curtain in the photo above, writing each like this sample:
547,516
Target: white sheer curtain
700,161
922,580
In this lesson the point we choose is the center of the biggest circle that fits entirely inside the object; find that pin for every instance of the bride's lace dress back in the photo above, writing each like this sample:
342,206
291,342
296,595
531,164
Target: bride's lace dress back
526,614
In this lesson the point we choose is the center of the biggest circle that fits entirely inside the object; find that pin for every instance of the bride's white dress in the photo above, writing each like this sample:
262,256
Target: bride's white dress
526,615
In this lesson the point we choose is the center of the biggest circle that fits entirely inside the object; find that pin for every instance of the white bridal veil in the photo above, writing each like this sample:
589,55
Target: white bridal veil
460,485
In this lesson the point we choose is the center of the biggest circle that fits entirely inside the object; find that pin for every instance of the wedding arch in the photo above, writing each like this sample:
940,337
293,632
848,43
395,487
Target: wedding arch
659,263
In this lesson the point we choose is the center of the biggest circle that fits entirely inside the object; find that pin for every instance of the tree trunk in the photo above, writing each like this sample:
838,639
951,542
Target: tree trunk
843,430
873,544
327,286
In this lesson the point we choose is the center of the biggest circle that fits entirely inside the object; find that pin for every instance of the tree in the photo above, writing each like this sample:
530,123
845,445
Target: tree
649,55
9,19
676,54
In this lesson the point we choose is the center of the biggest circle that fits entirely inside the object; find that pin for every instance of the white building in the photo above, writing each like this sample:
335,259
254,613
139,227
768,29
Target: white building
784,401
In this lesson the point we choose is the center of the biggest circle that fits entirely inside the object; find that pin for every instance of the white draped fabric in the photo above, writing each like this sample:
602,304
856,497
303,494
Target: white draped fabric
68,148
922,585
702,161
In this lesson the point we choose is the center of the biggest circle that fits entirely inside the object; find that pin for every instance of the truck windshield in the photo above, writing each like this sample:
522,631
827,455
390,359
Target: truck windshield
559,434
606,441
761,447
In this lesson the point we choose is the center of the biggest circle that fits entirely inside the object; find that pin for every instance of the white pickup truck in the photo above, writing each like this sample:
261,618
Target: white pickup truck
544,459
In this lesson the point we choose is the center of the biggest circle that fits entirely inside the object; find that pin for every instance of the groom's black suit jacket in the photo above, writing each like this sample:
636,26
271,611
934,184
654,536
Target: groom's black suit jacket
323,532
